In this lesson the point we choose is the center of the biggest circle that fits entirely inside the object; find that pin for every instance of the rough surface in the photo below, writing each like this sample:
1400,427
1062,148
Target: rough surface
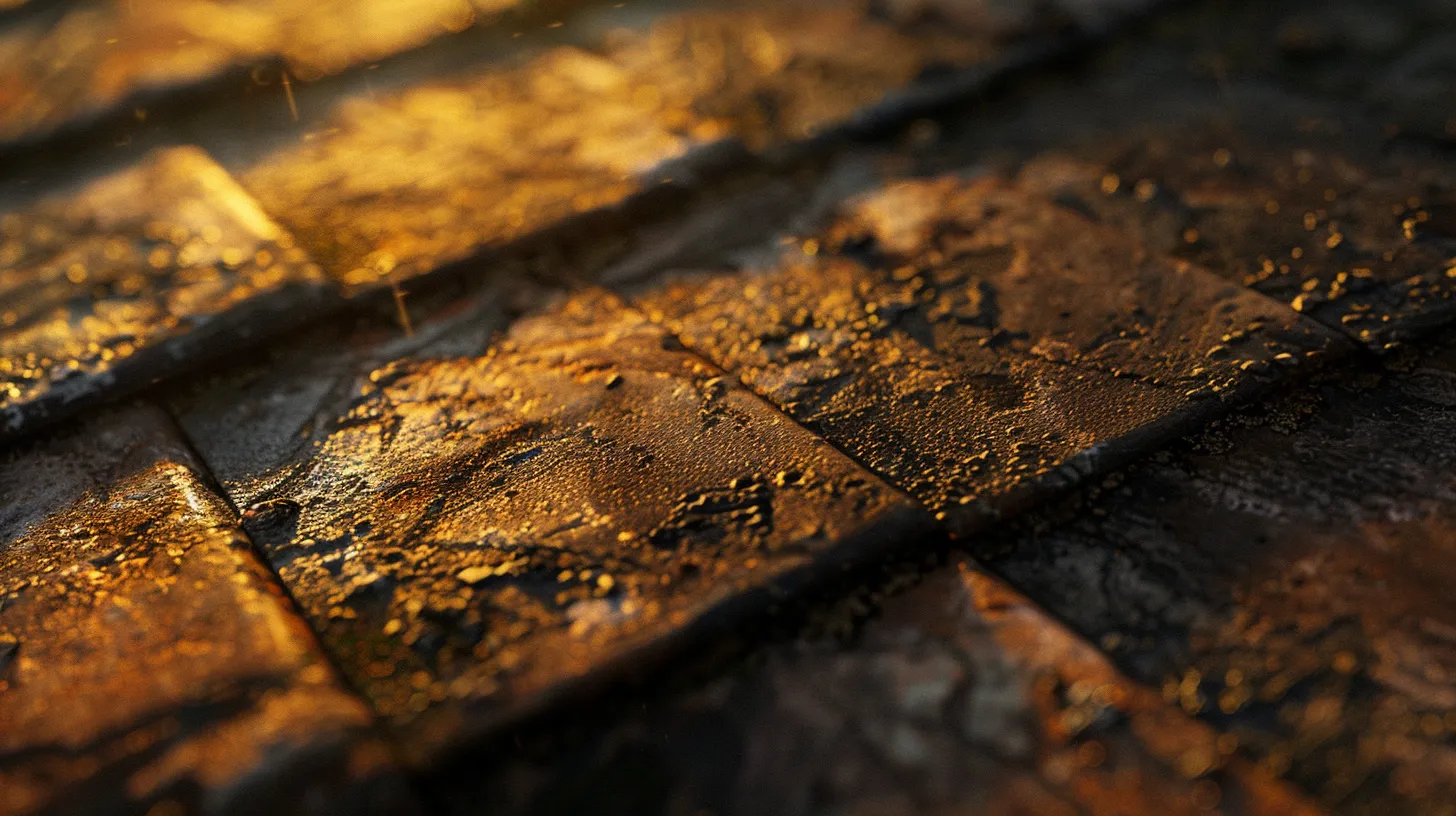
147,660
1291,199
1287,577
1219,145
493,511
77,61
130,277
473,534
976,344
962,697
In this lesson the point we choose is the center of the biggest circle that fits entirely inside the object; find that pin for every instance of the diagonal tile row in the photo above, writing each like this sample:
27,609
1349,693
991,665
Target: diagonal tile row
477,528
120,276
974,344
1287,578
1016,311
65,66
960,696
147,658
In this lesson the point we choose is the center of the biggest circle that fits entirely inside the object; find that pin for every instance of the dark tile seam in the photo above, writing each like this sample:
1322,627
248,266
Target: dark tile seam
210,480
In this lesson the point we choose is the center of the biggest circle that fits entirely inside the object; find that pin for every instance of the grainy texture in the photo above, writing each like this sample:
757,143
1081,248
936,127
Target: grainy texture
474,534
502,509
1287,577
961,698
977,345
146,657
1293,199
1221,141
133,276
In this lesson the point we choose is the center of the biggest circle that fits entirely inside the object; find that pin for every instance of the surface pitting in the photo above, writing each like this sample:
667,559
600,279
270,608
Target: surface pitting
427,495
488,528
976,343
146,657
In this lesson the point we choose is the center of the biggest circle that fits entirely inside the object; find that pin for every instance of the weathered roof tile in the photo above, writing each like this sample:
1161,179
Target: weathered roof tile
146,655
132,276
475,534
977,345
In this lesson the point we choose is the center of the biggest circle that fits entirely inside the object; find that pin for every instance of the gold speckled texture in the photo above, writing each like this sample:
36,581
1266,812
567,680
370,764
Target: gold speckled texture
145,653
129,275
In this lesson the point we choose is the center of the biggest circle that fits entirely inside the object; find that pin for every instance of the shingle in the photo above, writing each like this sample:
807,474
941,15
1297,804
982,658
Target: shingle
147,656
135,275
959,696
977,345
400,181
76,62
475,535
1286,578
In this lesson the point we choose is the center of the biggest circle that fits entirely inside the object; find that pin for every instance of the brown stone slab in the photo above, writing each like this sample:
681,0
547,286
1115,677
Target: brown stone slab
977,345
1302,205
960,697
1288,578
147,659
80,61
132,276
475,535
400,181
1217,140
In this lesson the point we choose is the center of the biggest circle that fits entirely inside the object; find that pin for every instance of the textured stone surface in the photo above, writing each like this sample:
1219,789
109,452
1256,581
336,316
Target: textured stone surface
473,534
1213,143
130,277
400,183
78,61
147,659
962,697
1287,577
394,184
975,344
1292,199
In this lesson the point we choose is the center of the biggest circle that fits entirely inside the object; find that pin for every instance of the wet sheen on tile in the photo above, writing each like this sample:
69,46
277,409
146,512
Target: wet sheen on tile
397,183
78,61
977,345
133,276
473,535
1292,199
146,657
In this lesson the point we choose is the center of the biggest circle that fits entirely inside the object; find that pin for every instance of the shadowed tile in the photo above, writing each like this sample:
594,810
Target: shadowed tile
1287,578
959,697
